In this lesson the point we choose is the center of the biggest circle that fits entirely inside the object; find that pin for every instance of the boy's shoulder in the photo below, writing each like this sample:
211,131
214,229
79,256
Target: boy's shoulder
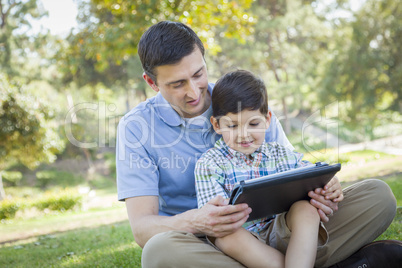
275,146
218,153
277,149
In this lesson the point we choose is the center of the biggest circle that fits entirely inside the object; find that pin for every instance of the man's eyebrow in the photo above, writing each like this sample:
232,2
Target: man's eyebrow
174,82
181,80
199,70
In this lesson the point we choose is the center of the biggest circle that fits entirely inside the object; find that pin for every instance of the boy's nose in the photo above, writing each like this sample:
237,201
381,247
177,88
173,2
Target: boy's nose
243,132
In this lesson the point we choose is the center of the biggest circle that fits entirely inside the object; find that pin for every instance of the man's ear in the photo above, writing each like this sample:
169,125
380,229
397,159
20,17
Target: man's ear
269,116
215,125
150,82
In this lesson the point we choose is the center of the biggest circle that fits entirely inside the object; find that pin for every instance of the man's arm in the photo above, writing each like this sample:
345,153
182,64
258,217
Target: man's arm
214,219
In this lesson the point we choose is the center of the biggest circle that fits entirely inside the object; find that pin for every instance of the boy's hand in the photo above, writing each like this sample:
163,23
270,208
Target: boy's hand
326,200
333,190
219,219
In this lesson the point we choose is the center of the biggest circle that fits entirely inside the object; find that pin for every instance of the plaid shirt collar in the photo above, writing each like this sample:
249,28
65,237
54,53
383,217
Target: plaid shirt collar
221,145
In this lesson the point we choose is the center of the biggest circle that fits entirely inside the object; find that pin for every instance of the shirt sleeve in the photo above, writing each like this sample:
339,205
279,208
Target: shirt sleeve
137,173
209,180
275,133
288,159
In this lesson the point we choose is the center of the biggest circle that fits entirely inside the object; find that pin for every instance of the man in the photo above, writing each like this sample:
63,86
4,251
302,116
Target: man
159,142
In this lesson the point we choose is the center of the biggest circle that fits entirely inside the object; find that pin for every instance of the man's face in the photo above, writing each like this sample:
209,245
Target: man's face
184,84
244,131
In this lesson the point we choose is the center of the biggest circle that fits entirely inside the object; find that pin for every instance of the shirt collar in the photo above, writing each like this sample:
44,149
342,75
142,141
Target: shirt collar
264,148
166,112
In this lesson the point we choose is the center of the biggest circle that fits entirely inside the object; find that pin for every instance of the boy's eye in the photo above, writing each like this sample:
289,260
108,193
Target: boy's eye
254,124
232,126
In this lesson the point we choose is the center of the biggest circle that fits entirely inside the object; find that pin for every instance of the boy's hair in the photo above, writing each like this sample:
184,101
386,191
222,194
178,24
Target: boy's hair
166,42
237,91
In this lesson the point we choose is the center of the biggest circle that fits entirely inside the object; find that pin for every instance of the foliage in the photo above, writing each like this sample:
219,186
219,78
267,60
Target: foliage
59,201
47,178
285,49
9,207
365,70
14,39
26,133
104,50
12,178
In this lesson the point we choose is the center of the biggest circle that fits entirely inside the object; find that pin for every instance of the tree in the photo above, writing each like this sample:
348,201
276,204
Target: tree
365,73
27,135
14,38
105,47
288,43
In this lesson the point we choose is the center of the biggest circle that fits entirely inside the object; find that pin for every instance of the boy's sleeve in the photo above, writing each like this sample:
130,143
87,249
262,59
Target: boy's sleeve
289,159
209,180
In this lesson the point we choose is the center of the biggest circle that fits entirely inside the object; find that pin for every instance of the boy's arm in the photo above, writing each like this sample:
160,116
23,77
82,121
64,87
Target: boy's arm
215,219
209,179
324,199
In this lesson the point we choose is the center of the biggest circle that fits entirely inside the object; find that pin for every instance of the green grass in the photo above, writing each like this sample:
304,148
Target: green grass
91,242
104,246
394,230
110,245
23,228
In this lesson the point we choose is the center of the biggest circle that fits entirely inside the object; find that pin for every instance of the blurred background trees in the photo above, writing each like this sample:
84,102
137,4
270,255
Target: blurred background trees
311,54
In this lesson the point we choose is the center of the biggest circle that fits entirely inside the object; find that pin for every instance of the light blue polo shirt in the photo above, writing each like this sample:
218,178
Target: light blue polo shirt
157,150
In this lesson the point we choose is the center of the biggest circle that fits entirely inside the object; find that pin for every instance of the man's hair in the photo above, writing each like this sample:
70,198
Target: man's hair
237,91
166,42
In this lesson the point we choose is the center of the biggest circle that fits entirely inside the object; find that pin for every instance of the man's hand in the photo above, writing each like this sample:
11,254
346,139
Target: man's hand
326,200
219,219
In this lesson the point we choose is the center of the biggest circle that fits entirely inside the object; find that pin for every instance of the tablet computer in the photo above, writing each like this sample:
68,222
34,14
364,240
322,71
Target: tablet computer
274,194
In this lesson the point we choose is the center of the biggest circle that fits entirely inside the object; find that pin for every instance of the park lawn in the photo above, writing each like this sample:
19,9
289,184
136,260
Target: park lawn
104,246
112,245
21,229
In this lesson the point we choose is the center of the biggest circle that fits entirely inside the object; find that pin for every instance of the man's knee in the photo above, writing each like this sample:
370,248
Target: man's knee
157,250
376,196
380,190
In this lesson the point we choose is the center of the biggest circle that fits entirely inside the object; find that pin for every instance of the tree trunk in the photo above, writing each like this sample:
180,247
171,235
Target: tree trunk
127,99
91,166
285,114
2,192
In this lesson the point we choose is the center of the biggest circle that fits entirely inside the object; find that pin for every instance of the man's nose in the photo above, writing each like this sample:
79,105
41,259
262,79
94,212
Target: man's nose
192,90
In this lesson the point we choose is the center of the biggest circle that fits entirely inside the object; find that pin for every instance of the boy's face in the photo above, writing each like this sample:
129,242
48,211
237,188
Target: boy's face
184,85
244,131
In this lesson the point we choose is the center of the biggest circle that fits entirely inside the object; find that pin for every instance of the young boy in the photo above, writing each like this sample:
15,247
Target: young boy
241,116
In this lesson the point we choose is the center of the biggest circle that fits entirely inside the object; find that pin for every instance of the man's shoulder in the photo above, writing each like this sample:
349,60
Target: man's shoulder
143,108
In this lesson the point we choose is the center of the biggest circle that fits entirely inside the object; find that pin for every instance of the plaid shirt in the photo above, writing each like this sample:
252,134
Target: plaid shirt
220,168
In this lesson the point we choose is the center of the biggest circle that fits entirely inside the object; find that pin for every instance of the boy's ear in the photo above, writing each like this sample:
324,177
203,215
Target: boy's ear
269,116
215,125
150,82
